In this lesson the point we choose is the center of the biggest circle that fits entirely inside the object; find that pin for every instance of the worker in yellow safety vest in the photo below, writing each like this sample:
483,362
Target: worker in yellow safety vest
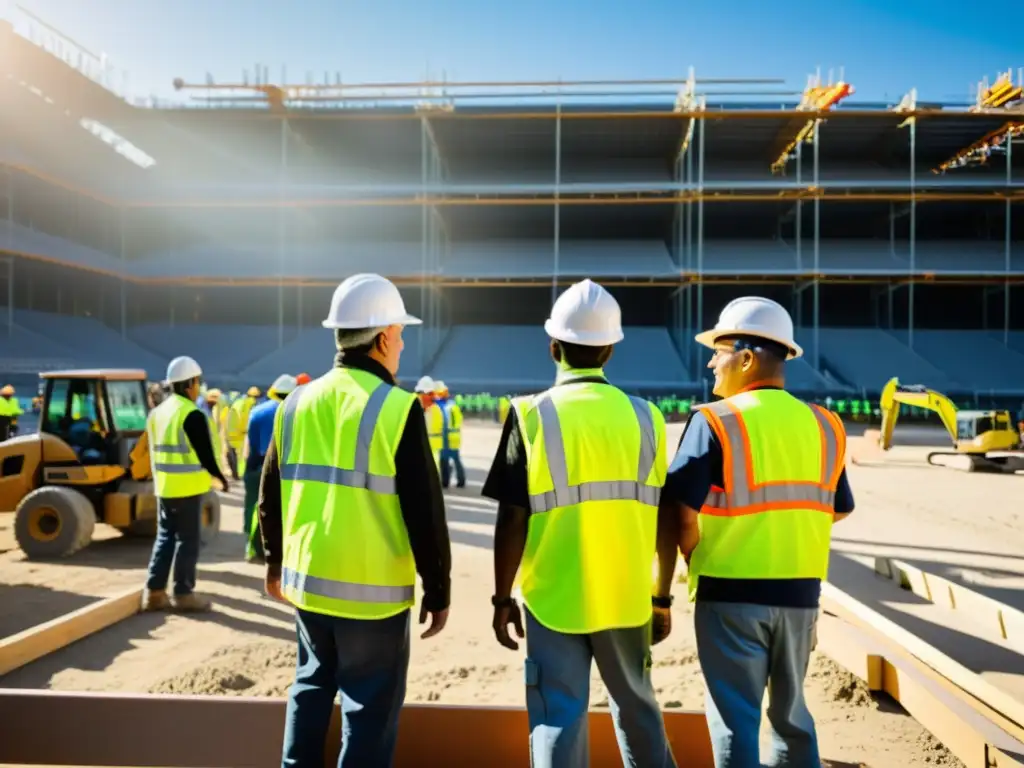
350,509
10,410
432,415
451,436
182,463
238,425
577,476
211,409
756,485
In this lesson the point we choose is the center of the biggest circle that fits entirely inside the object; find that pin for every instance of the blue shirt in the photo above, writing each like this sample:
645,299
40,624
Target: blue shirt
261,430
696,467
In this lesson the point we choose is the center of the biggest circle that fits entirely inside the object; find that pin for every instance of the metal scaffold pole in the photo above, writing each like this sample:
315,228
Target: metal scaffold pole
817,250
558,207
124,266
281,233
913,233
700,230
1008,246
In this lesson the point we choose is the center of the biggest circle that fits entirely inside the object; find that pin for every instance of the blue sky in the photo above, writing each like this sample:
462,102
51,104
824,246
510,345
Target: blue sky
885,46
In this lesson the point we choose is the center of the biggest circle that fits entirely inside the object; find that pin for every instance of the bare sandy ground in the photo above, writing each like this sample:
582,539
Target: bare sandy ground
964,526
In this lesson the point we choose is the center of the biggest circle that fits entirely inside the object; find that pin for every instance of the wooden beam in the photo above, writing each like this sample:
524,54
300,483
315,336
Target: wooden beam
131,729
942,708
987,695
1004,619
38,641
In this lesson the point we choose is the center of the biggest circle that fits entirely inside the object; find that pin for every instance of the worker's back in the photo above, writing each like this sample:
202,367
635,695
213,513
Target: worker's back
779,455
596,461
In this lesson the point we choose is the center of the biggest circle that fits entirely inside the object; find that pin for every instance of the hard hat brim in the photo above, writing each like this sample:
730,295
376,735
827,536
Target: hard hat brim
557,332
710,338
406,319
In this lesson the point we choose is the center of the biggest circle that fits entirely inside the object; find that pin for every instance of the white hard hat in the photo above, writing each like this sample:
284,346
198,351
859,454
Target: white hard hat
183,369
284,384
440,386
425,385
586,314
754,316
367,301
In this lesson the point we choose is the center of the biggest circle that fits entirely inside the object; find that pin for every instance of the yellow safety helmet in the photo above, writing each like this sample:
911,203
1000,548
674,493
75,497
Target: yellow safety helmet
253,392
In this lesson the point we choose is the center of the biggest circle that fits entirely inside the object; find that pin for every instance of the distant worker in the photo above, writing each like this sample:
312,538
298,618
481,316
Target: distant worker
451,436
756,553
155,394
10,410
425,390
577,477
257,440
350,509
238,423
211,408
181,452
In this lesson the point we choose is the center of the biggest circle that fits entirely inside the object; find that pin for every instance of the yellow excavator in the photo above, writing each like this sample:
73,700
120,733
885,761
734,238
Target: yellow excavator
987,438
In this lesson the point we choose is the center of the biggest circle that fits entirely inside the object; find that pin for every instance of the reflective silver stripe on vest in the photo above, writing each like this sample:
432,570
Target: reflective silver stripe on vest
359,475
316,586
564,495
179,448
741,495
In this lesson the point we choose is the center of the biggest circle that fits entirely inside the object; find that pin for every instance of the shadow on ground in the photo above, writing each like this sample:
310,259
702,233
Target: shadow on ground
28,605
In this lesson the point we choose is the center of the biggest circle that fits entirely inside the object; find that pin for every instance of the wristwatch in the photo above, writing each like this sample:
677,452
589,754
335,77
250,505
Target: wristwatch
501,602
661,602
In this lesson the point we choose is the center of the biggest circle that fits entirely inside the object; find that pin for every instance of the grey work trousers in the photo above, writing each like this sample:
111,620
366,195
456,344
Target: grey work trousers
558,696
744,649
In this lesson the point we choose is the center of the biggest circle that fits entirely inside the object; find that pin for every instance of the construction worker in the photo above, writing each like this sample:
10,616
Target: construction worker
182,459
425,390
261,429
10,410
238,423
211,407
350,509
577,477
757,551
451,436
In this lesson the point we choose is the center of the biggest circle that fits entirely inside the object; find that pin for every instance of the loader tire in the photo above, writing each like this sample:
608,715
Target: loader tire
54,522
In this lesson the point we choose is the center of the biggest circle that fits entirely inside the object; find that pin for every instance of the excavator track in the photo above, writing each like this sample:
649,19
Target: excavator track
1000,463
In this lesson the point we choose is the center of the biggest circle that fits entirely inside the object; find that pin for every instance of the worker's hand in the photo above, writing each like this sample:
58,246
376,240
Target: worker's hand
272,583
661,624
224,485
437,621
503,616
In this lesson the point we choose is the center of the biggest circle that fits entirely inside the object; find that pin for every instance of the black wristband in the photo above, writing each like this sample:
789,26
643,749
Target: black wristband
661,602
501,602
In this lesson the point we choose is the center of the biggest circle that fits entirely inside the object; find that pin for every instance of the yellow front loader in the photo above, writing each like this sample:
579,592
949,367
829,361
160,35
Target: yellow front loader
987,438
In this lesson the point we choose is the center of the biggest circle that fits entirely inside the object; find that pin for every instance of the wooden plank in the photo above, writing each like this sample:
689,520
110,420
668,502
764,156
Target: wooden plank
1006,620
944,710
102,729
38,641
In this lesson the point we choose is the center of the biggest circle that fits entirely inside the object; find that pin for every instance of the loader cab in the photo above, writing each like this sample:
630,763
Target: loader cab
99,414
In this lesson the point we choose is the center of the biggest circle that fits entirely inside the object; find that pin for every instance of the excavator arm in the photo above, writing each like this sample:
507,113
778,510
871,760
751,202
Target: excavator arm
894,393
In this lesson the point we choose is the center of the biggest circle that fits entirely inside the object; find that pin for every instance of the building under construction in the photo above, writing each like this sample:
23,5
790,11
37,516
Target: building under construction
132,232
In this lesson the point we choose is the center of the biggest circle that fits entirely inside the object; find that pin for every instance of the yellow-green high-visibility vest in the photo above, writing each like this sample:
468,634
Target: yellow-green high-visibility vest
596,462
435,429
452,425
177,472
346,548
772,519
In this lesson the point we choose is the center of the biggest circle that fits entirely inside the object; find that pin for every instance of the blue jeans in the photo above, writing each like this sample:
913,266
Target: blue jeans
368,662
179,522
452,455
558,695
743,649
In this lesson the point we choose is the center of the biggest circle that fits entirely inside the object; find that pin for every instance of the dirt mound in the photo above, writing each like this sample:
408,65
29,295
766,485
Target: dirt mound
260,669
839,685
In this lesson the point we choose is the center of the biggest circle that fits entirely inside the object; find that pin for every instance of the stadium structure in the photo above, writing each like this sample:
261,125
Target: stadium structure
132,232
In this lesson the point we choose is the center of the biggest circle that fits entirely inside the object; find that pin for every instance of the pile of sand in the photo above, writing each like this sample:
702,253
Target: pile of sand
258,669
838,684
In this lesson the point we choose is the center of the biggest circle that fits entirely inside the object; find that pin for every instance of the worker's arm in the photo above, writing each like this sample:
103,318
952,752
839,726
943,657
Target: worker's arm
506,483
844,503
422,503
269,510
198,433
689,481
